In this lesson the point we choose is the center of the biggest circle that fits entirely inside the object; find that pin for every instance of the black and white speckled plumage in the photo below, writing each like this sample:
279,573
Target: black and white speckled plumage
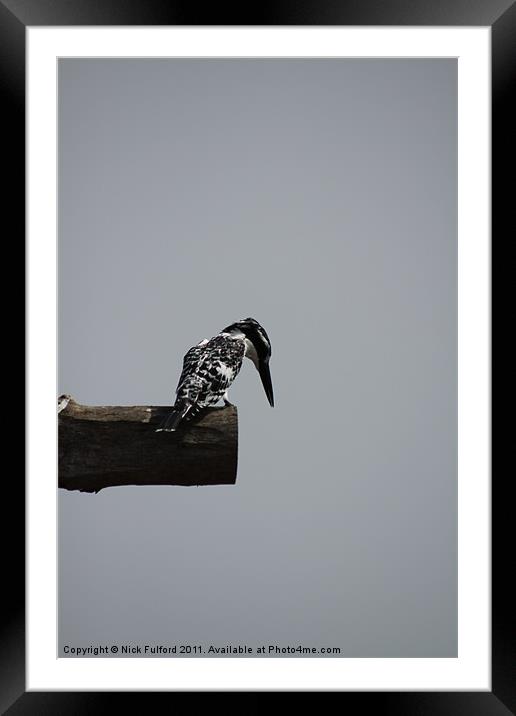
210,367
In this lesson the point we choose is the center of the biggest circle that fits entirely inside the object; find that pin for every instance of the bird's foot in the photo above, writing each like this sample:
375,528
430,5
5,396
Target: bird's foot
225,398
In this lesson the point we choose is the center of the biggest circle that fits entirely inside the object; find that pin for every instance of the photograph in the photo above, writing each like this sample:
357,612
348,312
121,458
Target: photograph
226,226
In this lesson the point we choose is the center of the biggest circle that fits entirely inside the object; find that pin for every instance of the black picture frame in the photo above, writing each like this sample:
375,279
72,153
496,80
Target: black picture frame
15,16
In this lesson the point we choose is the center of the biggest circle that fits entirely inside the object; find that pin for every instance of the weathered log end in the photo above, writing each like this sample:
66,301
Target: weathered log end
108,446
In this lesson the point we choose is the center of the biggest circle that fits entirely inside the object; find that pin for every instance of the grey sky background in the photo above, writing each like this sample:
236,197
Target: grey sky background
318,196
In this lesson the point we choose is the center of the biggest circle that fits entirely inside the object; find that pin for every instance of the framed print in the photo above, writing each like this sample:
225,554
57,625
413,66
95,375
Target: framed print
330,178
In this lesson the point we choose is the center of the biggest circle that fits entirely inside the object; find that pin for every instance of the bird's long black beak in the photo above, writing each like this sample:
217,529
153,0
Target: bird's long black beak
265,375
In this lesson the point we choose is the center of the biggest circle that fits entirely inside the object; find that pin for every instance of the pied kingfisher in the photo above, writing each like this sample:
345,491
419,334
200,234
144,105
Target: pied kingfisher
212,365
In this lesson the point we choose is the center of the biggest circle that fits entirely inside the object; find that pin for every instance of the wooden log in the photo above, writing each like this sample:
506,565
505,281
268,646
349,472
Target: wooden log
106,446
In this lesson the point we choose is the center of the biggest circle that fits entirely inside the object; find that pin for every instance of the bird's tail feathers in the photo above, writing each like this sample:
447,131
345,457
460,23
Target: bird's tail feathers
171,421
181,411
